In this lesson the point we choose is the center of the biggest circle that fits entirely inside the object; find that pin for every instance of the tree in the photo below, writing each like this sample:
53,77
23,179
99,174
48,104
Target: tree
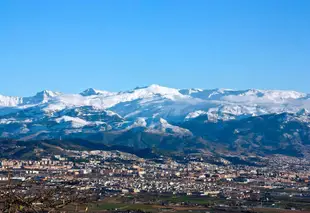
35,197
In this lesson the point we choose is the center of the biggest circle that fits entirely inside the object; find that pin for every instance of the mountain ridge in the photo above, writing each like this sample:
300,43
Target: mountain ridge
155,87
155,110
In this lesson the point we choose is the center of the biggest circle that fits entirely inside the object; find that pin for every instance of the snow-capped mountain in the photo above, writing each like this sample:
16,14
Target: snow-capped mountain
92,91
154,108
41,97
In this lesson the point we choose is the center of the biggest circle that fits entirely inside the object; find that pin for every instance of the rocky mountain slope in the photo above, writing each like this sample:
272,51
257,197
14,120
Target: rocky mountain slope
166,118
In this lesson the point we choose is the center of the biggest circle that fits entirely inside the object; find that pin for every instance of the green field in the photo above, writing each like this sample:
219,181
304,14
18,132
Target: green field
181,204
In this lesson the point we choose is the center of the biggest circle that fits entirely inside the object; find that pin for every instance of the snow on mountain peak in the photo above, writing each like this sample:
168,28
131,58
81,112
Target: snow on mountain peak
263,96
153,108
92,91
47,94
41,97
9,101
156,101
190,91
156,89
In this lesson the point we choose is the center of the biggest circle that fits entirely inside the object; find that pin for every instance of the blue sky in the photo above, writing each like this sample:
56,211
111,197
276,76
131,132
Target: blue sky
116,45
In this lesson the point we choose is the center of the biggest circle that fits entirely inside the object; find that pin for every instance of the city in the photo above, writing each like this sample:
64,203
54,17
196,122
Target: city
125,180
154,106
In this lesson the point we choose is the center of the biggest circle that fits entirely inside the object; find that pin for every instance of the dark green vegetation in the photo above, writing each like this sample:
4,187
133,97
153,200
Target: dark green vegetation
35,150
10,149
182,203
265,135
284,133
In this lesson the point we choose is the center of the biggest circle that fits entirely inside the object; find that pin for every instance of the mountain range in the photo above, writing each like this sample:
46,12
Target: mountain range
205,120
